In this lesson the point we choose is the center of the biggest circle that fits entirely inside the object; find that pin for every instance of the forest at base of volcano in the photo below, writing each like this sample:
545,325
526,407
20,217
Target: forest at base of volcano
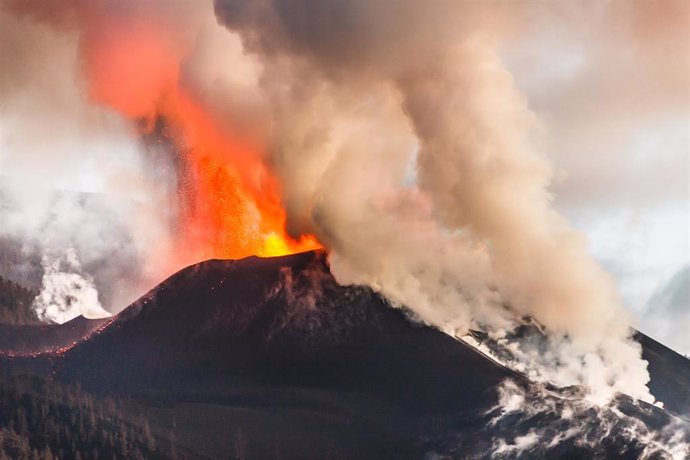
271,358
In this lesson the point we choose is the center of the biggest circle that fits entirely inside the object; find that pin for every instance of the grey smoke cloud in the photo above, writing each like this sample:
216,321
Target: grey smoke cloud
603,79
72,174
75,170
361,89
610,84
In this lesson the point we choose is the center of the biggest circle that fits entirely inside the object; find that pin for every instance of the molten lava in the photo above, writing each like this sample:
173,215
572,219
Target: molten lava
229,201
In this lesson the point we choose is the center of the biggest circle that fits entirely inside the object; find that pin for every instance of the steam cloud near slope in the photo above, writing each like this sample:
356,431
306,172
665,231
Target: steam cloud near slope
398,135
67,292
72,173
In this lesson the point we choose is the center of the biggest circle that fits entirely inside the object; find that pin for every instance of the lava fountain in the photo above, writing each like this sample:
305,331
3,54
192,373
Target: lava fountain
229,201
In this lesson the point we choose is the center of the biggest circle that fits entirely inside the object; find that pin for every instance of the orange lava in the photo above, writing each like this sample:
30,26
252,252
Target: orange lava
231,204
229,201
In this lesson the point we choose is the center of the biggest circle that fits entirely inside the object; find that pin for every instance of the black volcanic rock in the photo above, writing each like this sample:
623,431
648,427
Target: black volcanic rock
275,356
318,364
284,322
35,339
670,375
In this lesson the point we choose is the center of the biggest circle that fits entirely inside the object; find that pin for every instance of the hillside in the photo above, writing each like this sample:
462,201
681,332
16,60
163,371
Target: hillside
273,356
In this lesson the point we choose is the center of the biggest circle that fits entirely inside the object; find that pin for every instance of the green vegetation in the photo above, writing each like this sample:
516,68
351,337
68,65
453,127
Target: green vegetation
45,420
15,303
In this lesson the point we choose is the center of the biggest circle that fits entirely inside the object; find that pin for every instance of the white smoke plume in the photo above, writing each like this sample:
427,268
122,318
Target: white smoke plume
66,291
399,138
359,91
566,418
72,174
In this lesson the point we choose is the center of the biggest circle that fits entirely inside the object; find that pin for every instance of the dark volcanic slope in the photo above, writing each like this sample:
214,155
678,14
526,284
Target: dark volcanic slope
277,348
33,339
281,321
670,374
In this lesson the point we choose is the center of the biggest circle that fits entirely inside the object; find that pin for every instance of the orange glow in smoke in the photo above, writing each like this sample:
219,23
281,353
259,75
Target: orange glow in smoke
229,202
232,207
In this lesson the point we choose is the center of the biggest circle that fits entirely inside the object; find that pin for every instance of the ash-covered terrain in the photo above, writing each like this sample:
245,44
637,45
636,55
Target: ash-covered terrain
271,358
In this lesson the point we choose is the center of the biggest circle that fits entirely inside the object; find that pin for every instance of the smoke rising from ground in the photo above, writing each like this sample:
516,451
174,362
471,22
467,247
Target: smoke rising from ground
563,420
72,174
66,291
397,134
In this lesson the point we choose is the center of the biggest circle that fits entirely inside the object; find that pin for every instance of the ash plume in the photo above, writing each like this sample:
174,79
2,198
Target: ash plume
397,136
363,93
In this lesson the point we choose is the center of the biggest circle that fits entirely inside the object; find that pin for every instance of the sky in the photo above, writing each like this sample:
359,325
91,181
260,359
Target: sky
613,102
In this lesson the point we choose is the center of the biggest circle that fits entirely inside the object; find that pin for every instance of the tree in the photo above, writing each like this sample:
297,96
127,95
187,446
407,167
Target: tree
149,441
241,442
46,454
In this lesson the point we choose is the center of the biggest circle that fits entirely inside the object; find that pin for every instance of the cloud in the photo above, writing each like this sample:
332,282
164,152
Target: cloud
609,81
667,317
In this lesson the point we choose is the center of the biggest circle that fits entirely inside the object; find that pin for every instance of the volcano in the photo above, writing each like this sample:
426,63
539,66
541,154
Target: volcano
271,358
